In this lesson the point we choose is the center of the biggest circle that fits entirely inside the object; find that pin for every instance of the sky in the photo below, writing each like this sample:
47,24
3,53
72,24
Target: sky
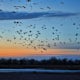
39,27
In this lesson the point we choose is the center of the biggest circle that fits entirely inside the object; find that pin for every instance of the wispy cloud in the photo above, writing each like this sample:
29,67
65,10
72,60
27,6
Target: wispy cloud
25,15
66,46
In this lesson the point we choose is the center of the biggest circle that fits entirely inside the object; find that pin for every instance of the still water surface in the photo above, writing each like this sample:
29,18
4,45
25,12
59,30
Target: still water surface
38,70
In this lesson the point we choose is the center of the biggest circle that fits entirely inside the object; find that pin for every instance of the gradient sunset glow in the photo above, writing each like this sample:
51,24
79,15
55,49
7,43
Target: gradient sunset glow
39,27
32,52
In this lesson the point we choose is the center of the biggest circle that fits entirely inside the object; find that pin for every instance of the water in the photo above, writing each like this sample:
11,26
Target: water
38,70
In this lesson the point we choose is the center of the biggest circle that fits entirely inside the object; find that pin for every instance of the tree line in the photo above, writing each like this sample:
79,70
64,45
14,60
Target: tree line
52,63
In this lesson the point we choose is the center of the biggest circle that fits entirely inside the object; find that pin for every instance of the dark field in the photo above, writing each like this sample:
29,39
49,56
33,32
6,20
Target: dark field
39,76
53,67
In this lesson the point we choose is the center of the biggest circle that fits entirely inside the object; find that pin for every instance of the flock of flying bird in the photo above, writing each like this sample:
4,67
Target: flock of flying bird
30,37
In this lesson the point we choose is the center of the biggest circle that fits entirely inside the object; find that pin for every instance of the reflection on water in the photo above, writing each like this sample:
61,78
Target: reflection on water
38,70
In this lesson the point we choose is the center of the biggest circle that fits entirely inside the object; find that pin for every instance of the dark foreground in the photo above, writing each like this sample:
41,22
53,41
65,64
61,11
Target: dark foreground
39,76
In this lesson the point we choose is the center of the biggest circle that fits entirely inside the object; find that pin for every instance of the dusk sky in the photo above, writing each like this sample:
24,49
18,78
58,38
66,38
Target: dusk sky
39,27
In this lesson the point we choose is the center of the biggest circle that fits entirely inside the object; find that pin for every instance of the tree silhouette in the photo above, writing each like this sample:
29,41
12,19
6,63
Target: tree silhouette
52,63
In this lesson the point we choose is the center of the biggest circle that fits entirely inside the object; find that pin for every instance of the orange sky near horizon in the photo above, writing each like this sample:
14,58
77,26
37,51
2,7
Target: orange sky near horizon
32,52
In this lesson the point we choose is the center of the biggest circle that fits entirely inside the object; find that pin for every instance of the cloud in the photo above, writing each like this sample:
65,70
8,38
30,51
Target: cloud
25,15
66,46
